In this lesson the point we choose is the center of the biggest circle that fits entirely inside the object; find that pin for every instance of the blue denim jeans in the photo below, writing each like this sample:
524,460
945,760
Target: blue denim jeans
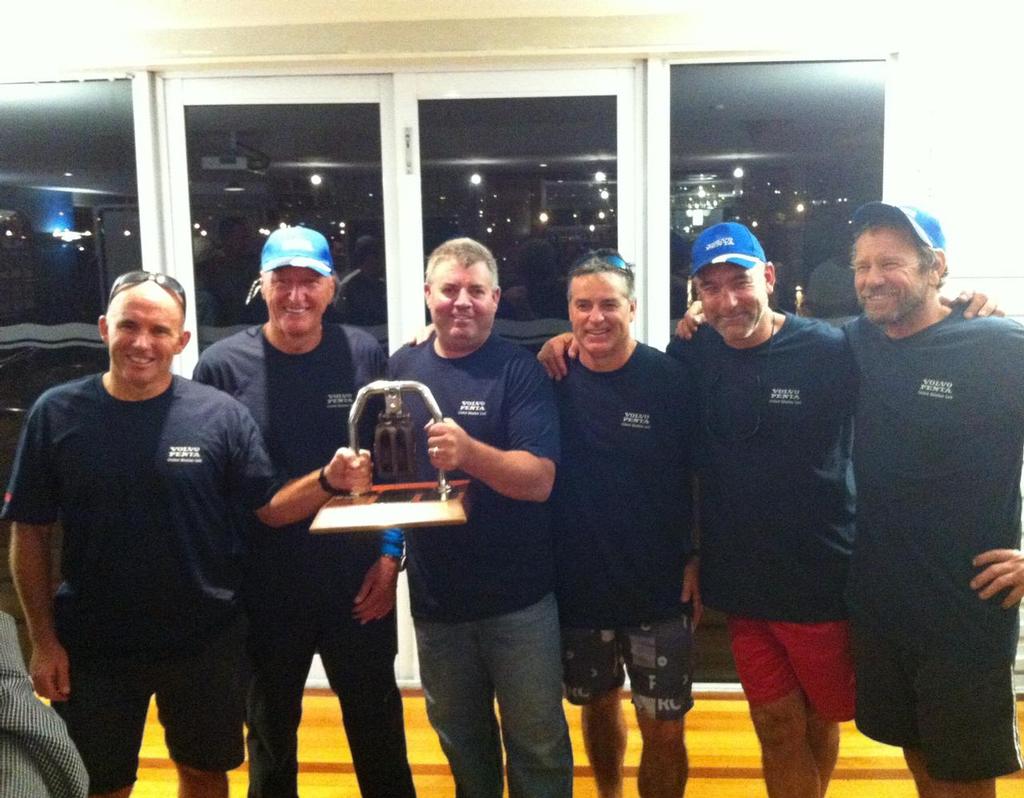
516,659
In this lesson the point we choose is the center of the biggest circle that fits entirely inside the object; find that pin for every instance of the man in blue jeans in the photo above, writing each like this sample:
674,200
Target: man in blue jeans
482,600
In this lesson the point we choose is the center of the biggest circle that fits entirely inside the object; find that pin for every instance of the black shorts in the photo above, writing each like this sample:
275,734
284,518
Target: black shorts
962,717
201,703
658,656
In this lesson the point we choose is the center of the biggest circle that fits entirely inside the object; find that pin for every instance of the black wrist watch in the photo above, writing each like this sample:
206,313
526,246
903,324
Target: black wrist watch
327,486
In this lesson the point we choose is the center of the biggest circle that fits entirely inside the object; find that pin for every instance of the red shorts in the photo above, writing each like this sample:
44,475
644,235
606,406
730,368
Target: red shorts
774,658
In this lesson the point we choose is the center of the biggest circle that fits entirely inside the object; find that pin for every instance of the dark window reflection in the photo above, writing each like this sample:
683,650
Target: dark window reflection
68,227
787,149
535,180
253,168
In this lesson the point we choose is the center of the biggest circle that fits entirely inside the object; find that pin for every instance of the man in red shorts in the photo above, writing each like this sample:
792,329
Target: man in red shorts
776,506
774,399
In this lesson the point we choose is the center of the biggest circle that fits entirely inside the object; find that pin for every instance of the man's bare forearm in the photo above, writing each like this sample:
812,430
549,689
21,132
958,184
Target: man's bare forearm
31,565
516,474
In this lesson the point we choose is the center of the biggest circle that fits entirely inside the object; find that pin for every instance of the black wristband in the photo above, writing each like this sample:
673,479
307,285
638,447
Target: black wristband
327,486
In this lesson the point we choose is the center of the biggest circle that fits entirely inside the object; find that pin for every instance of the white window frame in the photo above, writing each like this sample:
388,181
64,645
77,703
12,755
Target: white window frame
410,88
178,93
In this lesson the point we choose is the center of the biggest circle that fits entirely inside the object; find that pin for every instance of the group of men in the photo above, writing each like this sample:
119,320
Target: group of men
932,577
581,558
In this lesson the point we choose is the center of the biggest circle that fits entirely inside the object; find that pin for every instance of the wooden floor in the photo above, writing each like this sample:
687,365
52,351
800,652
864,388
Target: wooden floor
724,759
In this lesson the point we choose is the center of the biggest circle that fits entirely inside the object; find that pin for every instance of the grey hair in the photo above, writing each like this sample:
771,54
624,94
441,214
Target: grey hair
465,252
598,265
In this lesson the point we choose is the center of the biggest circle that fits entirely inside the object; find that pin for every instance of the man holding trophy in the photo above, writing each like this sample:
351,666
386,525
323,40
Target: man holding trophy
482,593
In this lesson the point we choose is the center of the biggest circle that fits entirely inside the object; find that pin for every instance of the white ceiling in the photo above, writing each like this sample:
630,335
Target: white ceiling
68,36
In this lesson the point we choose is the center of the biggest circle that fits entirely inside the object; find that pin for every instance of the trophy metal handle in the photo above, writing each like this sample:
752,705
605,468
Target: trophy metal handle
392,391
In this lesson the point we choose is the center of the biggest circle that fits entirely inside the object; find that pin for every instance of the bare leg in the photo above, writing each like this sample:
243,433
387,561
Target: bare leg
790,769
823,738
604,736
927,787
663,763
194,783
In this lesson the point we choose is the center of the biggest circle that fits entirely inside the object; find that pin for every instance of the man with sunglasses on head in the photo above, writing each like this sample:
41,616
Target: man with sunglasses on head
775,503
626,565
332,595
150,475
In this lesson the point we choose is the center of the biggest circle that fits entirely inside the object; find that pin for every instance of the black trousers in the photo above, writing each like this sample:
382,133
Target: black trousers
292,617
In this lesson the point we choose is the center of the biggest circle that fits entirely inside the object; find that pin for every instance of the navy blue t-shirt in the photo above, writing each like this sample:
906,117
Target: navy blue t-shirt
940,431
301,404
502,560
150,495
622,496
776,491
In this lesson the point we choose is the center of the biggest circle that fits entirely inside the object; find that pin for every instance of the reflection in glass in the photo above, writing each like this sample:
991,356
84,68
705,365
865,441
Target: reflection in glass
253,168
789,150
68,199
68,227
532,178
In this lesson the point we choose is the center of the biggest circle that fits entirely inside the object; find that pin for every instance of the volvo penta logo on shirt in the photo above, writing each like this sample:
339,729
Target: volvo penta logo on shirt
784,396
339,400
473,407
184,454
936,389
636,420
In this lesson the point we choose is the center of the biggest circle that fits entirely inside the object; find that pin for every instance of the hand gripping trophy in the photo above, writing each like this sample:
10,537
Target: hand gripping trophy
399,503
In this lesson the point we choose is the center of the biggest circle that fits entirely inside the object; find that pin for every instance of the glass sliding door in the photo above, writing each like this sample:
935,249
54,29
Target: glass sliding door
260,153
69,225
790,149
535,174
249,155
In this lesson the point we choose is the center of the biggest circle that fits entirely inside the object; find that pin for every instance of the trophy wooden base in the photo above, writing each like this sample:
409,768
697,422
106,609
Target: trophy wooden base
406,505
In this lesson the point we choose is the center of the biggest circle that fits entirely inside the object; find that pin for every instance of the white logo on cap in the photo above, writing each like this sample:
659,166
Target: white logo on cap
299,243
720,242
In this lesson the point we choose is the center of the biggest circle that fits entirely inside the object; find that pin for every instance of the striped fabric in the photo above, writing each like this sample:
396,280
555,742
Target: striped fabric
37,758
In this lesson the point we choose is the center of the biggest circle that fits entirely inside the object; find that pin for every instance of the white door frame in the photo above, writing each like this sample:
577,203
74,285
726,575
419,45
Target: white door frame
410,88
180,93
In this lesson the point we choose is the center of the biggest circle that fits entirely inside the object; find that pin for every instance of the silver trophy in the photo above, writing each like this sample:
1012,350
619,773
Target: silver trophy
401,503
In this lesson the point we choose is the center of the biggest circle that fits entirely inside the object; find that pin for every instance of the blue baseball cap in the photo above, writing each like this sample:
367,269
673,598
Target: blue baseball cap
924,226
297,246
728,242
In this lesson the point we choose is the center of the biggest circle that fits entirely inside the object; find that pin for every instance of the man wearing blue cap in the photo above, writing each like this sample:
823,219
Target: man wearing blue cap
937,575
307,594
776,432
